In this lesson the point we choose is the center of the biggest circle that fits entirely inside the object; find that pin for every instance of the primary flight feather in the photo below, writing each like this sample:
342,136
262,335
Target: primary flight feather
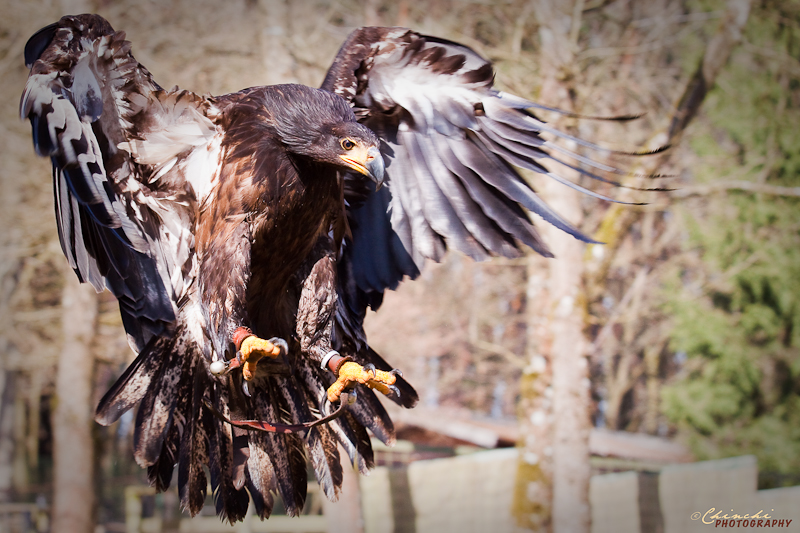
245,235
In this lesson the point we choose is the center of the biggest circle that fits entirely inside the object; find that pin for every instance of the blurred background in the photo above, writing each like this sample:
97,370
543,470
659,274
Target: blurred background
681,332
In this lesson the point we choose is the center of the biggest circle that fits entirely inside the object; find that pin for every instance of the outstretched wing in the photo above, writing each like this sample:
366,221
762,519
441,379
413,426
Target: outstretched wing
451,144
120,146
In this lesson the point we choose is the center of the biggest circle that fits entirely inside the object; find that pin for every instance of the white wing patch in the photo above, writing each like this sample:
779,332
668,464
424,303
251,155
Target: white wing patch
440,103
201,168
178,127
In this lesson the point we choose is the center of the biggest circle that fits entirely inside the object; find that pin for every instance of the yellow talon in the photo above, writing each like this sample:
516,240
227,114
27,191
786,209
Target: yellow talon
252,350
351,372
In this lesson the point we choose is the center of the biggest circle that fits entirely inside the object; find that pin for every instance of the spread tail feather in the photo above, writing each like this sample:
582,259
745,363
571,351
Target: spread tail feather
285,450
231,502
321,446
132,385
171,382
194,449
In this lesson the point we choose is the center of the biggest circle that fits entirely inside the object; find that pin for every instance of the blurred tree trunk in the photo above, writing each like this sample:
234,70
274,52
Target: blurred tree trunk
718,51
556,422
6,430
533,493
73,447
571,407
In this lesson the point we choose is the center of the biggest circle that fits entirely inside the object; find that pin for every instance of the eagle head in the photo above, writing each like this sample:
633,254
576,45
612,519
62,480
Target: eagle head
355,147
321,126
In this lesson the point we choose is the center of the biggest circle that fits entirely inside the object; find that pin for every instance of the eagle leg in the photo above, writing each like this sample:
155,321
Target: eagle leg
250,349
350,373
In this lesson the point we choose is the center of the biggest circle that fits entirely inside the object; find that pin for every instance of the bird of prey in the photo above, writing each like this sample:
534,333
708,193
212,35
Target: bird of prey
245,236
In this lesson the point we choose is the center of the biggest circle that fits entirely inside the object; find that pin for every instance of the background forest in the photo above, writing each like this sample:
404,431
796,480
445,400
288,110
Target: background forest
689,315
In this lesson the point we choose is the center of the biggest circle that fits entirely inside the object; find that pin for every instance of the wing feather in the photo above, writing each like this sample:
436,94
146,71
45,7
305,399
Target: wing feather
502,176
465,208
439,207
497,206
451,144
424,242
114,137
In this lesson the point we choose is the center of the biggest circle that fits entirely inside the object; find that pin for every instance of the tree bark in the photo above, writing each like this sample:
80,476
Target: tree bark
73,450
718,51
556,423
567,353
559,26
533,494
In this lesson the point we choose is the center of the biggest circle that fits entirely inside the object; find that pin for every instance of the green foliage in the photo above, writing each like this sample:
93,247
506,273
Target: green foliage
737,313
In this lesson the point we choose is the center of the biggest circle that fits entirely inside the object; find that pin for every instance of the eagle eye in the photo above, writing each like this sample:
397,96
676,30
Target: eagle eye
348,144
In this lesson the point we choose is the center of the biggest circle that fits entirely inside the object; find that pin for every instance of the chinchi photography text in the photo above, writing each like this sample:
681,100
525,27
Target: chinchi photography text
759,519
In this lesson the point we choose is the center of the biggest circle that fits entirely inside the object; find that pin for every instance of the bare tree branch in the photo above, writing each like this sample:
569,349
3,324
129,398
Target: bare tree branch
736,185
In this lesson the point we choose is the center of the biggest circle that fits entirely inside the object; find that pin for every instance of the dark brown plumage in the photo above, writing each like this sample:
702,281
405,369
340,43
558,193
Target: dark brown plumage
209,215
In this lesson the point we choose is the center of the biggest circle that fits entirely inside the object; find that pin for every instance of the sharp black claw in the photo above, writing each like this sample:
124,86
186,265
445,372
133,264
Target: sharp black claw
394,389
371,368
280,343
396,372
246,389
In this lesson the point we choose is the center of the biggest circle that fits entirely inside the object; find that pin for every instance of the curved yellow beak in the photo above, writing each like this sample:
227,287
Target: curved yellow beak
366,161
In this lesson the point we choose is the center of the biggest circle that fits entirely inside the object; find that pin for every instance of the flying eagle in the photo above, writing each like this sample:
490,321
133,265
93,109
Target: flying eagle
245,236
